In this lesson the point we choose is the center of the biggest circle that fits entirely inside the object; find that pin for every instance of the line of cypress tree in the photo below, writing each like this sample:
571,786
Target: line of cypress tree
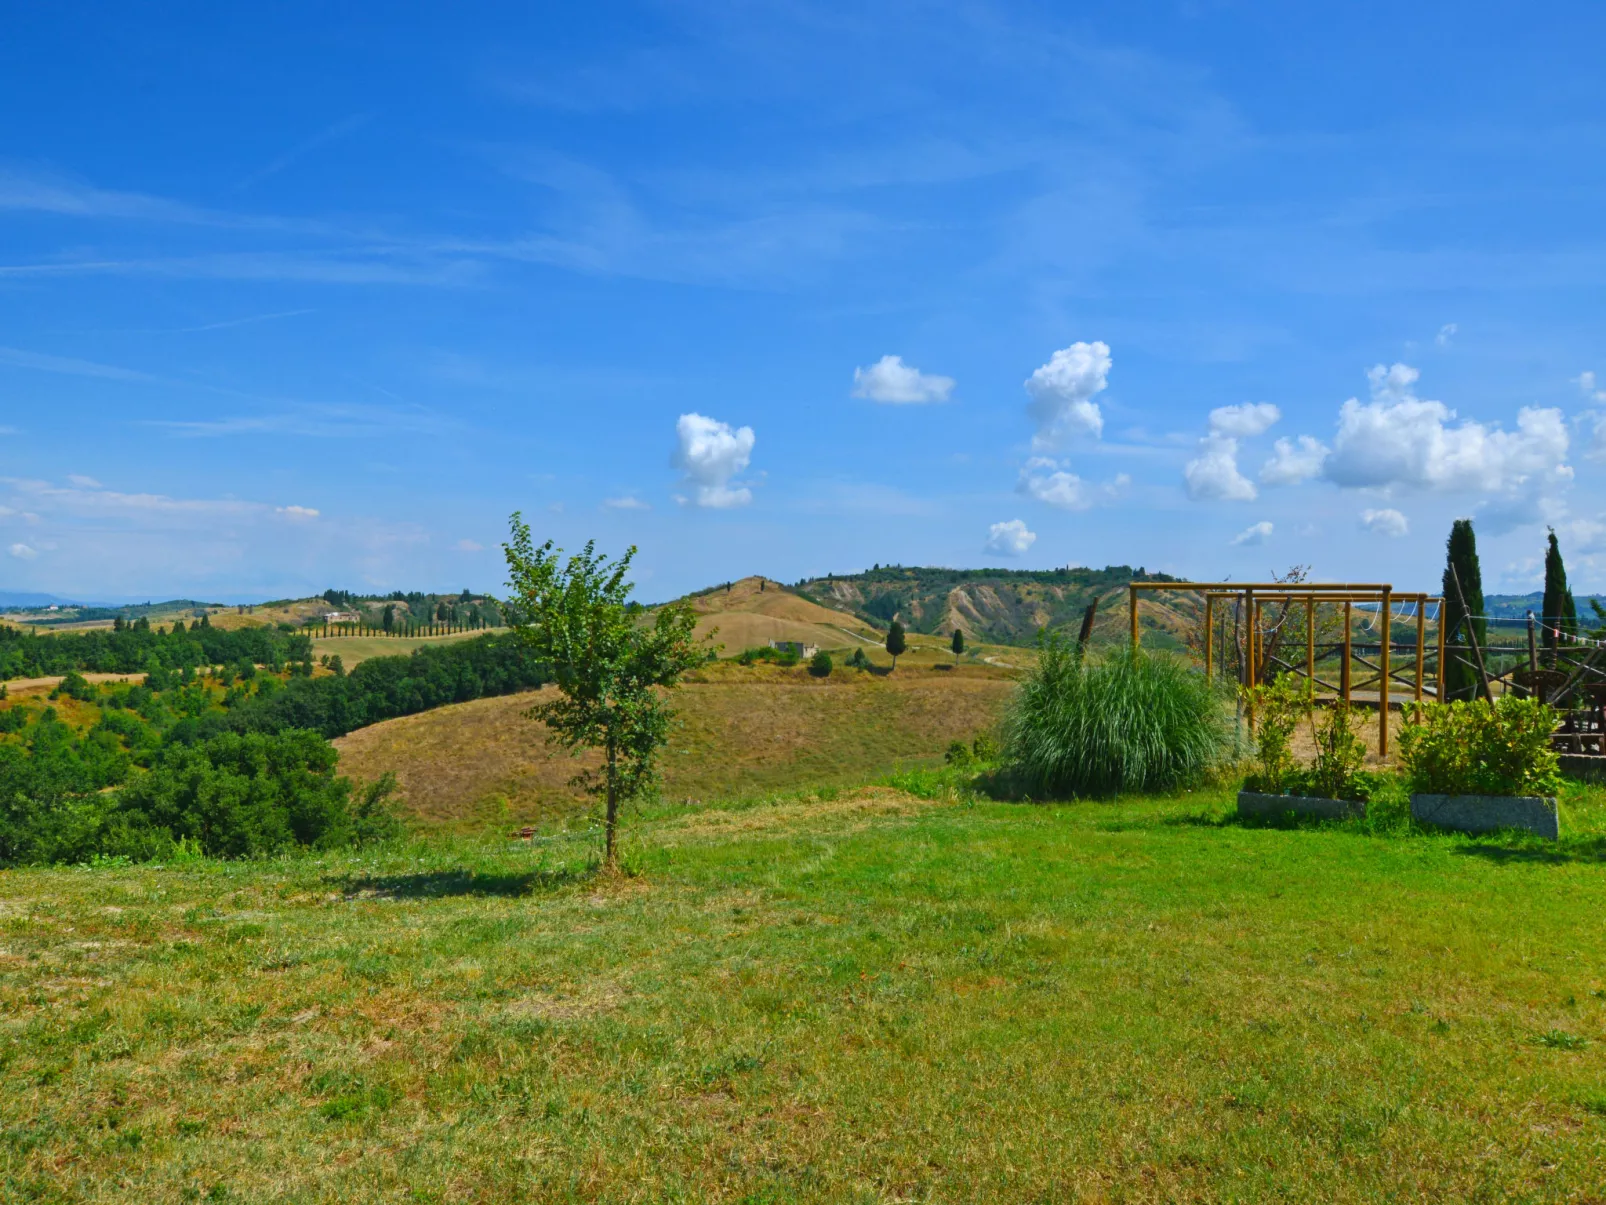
1461,554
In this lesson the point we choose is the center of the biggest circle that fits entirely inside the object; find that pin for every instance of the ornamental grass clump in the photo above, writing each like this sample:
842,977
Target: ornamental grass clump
1479,748
1130,721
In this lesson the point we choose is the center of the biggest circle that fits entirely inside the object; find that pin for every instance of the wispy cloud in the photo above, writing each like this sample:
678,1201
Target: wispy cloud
315,421
340,129
352,267
67,366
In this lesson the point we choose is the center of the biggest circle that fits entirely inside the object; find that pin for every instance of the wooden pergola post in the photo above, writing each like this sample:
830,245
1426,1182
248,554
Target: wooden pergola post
1343,673
1310,646
1383,684
1438,689
1132,606
1421,645
1210,630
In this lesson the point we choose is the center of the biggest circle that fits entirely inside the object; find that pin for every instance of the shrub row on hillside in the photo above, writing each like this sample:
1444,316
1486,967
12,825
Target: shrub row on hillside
382,688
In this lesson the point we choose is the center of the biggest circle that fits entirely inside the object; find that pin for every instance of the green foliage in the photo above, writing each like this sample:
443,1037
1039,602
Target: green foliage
1478,749
1461,554
957,644
1277,710
896,644
576,618
1558,611
75,686
763,652
1131,721
858,660
231,796
820,664
1335,772
958,754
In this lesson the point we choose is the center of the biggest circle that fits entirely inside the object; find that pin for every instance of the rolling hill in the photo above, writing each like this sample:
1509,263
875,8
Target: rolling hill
1004,606
739,732
753,611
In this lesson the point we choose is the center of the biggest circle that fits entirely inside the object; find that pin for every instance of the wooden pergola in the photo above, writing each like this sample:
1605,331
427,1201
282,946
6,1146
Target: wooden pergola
1252,596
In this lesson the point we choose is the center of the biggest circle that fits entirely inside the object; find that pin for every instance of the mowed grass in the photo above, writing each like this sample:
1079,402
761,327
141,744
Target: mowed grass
854,997
740,732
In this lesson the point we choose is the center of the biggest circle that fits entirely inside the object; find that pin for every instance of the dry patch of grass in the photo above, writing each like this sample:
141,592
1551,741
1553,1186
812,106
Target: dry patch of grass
740,732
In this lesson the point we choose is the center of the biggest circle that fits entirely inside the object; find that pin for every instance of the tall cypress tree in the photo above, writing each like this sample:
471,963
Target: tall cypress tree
1554,610
1460,677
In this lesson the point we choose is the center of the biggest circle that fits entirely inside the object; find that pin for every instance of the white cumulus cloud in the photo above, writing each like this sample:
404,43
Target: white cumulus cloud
710,453
889,379
1213,474
1245,420
1588,385
296,512
1399,439
1293,461
1385,522
22,552
1063,390
1044,480
1254,534
1446,335
1009,538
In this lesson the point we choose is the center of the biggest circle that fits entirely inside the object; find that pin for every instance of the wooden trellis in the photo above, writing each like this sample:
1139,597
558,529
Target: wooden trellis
1252,597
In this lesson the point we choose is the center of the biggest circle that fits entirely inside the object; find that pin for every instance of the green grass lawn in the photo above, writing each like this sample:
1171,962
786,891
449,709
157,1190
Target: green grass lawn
855,996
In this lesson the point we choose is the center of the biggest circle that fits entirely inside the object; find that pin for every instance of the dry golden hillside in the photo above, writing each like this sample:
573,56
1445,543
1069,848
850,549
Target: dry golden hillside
739,732
755,610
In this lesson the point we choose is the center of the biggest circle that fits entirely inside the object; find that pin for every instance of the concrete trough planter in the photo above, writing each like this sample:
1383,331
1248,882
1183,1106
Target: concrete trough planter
1487,813
1256,803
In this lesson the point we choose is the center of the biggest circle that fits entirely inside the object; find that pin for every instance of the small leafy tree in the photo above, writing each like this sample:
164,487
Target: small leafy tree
608,663
958,645
1277,709
895,642
1340,754
820,664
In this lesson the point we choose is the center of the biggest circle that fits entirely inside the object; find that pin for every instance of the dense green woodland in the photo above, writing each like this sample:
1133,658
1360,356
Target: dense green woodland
136,647
236,762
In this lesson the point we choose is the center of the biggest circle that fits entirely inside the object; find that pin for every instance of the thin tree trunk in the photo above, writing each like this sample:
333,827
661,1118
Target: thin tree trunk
613,802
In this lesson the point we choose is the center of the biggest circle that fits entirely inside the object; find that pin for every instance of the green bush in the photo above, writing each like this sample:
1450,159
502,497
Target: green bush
231,796
820,664
859,660
1335,772
75,686
958,755
1478,749
1277,710
1131,721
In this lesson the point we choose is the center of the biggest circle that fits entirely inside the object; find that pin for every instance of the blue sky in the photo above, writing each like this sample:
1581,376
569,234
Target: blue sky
311,297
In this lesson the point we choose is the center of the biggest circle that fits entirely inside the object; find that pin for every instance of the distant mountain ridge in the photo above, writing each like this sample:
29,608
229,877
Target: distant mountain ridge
1004,606
1517,606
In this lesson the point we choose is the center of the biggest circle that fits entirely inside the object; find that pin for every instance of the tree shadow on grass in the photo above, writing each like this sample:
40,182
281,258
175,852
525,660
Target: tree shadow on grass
1587,850
444,884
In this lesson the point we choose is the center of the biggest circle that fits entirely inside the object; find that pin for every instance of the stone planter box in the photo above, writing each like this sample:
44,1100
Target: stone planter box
1486,813
1254,803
